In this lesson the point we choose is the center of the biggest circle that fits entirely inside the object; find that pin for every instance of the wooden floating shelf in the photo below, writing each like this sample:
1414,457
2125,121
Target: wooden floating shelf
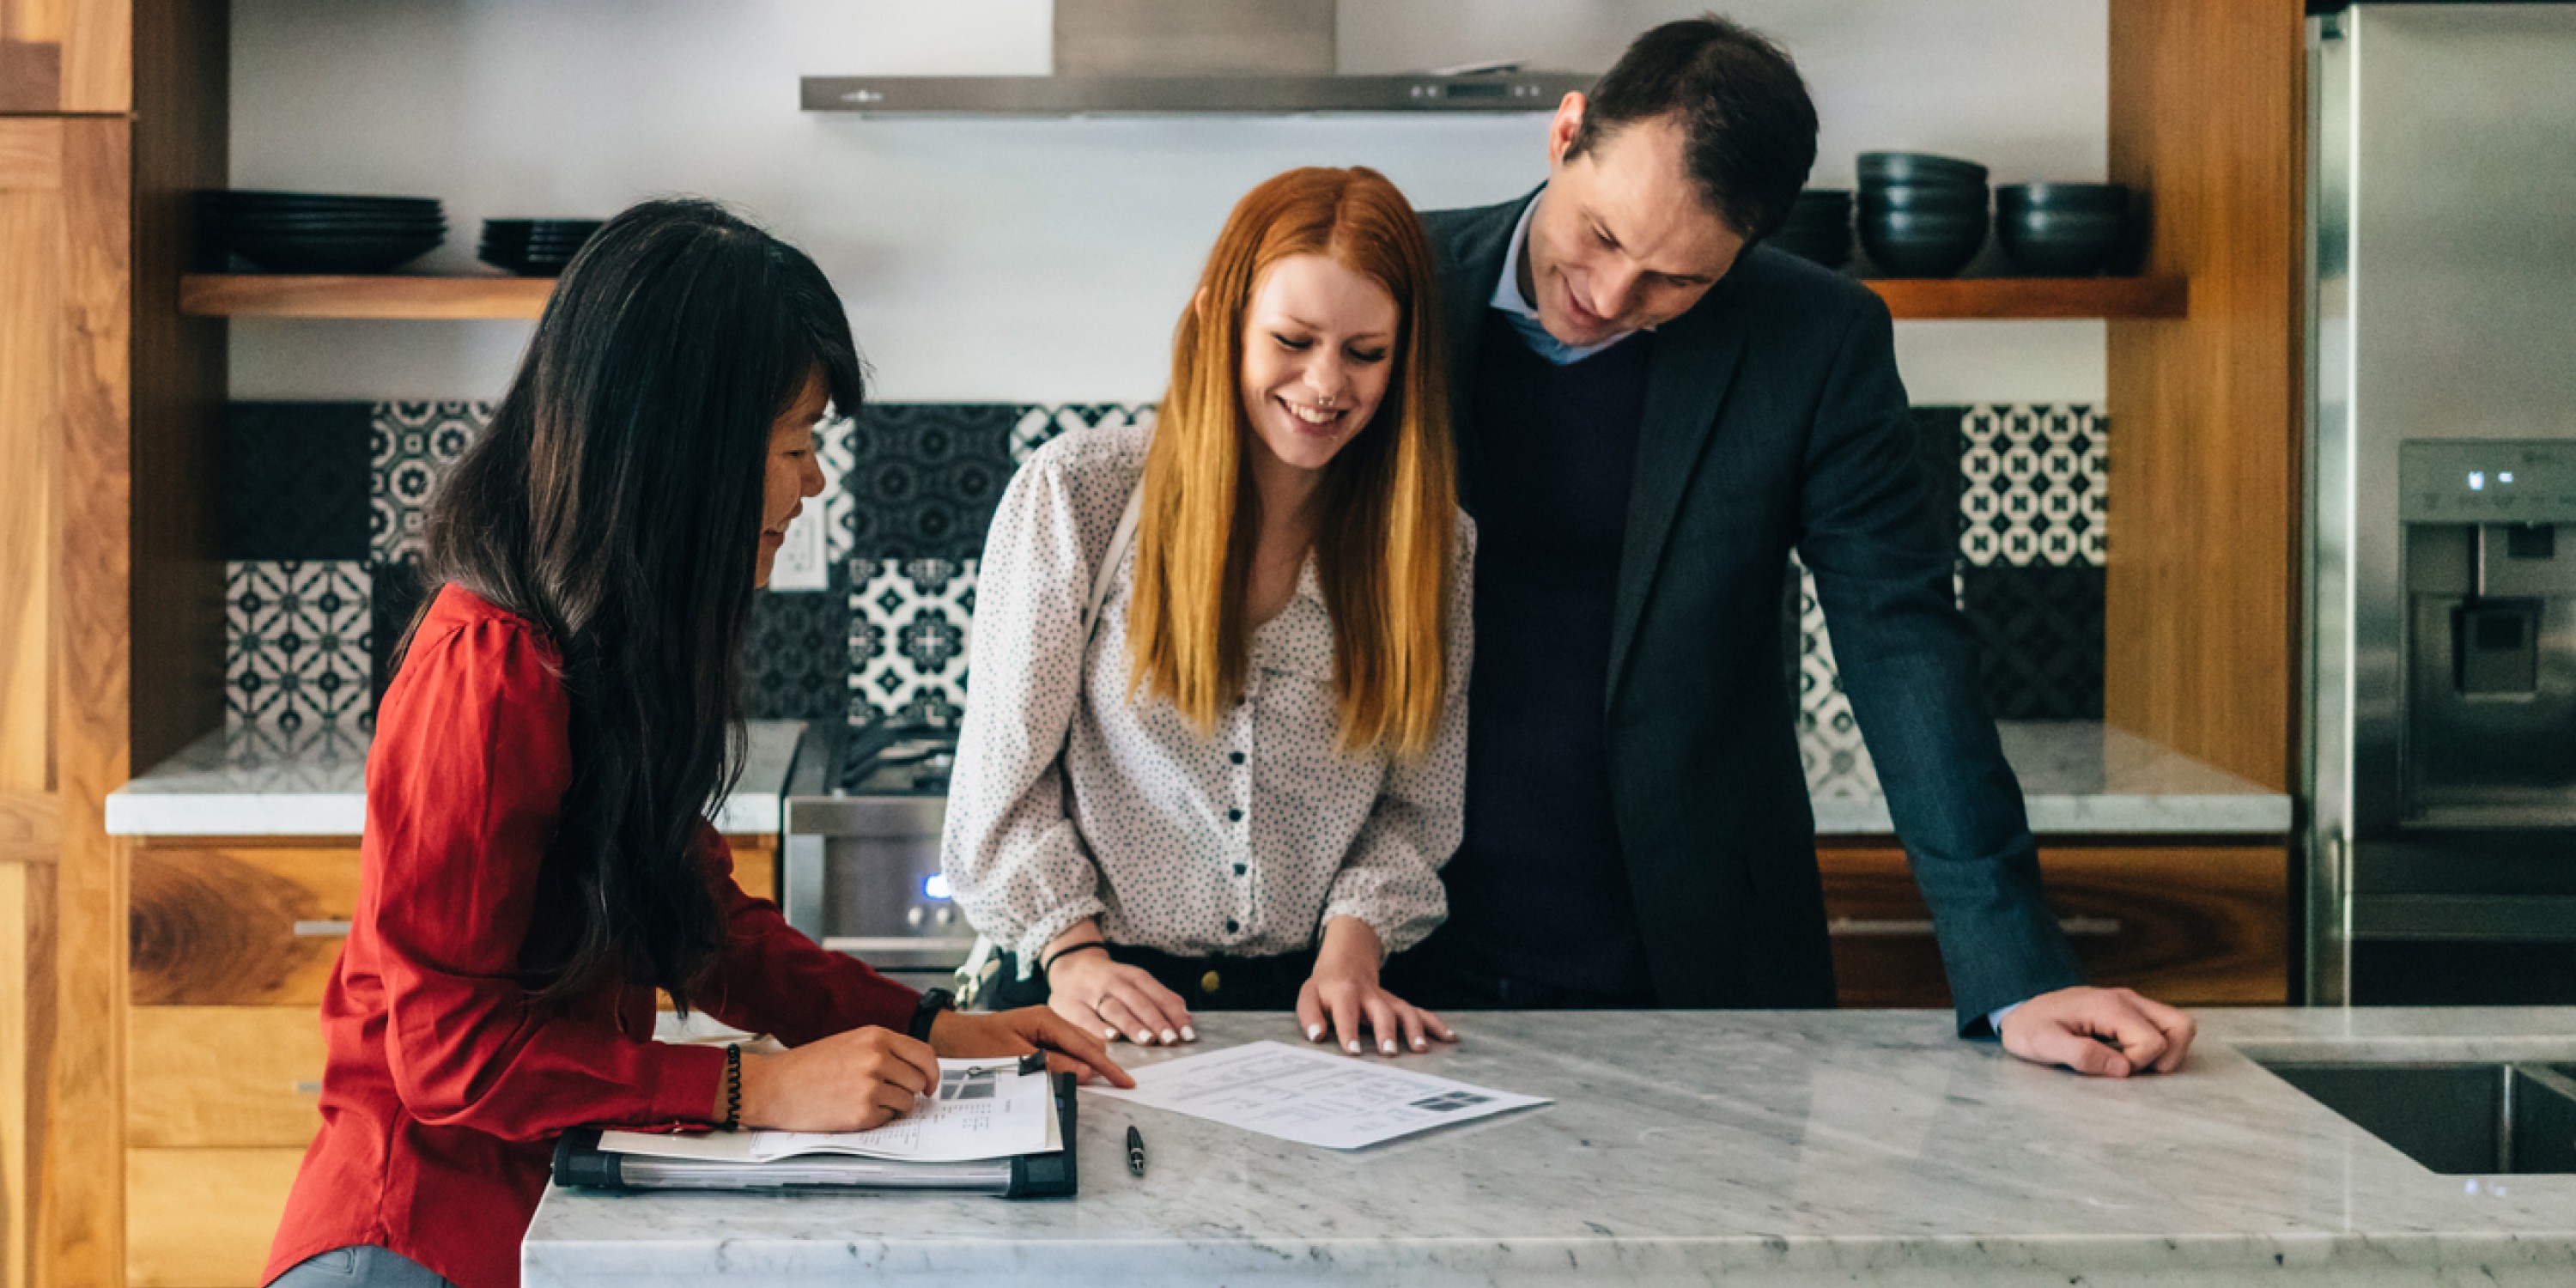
281,295
287,295
2025,298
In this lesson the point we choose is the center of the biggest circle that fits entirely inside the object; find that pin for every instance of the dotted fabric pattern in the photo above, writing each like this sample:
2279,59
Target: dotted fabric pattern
1242,843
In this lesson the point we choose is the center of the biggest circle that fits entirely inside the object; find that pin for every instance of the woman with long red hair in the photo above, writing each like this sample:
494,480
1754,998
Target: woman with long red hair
1215,749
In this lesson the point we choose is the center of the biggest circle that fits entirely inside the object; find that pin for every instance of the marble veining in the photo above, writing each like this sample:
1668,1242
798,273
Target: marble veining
2084,777
1761,1148
259,782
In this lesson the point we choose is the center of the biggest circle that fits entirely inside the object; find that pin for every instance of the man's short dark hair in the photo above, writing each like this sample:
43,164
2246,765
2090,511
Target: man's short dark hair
1748,127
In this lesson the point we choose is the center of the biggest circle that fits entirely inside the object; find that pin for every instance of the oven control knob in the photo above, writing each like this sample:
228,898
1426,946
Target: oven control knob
912,917
945,915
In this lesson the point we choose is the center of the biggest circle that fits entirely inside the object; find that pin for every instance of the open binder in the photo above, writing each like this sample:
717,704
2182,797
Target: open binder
581,1163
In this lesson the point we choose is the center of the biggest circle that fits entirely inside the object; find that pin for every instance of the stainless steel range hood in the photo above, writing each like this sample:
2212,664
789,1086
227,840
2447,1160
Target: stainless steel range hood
1186,57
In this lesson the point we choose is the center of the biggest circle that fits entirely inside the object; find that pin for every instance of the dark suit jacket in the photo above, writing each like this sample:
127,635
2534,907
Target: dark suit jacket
1774,419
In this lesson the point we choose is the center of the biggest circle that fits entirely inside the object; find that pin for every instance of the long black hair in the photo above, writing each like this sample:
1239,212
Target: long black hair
615,501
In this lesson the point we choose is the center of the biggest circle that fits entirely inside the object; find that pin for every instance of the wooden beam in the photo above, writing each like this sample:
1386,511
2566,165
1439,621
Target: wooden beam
2208,103
2033,297
282,295
31,378
80,1192
30,828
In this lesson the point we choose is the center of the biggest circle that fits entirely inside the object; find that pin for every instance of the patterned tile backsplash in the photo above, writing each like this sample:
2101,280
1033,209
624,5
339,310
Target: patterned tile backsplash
326,526
909,620
296,644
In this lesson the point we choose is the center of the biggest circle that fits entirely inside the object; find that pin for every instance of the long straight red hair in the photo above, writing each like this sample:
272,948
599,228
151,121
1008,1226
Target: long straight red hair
1386,540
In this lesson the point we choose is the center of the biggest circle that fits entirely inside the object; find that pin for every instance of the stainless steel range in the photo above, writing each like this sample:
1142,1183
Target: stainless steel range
864,808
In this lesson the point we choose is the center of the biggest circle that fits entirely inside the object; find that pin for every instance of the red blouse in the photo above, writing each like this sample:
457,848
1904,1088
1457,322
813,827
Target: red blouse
445,1087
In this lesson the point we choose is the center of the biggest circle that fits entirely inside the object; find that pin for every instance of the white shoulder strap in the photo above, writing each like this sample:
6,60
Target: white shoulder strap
1119,540
981,962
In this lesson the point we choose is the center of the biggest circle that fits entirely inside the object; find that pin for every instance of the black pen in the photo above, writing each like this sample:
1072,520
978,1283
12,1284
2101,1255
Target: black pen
1135,1151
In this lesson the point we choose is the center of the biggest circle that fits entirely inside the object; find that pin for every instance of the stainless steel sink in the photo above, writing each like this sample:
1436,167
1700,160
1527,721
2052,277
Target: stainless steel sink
2454,1118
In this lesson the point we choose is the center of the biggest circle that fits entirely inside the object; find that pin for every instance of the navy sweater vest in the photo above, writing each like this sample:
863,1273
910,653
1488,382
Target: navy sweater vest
1539,889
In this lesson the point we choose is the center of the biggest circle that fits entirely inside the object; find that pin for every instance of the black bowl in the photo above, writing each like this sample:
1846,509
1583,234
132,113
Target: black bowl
324,226
2055,243
286,253
1916,167
2062,196
1916,244
249,203
1927,198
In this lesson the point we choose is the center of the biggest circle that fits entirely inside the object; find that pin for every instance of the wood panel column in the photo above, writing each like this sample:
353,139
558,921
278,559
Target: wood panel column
2208,106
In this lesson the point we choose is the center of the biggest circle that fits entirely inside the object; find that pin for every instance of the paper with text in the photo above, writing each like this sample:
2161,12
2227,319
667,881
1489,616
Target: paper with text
983,1109
1312,1097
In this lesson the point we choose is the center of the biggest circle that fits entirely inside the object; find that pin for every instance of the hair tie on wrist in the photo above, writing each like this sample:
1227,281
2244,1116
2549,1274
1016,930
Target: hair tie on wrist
733,1087
1047,963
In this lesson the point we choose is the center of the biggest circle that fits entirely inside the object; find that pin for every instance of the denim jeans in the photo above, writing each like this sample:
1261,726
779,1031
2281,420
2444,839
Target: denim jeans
359,1266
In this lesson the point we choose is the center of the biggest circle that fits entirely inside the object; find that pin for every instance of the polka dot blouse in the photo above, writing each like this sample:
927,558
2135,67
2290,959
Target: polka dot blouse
1072,799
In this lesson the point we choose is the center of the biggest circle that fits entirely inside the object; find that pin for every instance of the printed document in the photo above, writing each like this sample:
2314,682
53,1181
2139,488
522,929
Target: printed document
983,1109
1311,1096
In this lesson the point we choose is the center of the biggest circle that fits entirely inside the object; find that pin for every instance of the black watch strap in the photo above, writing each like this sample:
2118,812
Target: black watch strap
933,1002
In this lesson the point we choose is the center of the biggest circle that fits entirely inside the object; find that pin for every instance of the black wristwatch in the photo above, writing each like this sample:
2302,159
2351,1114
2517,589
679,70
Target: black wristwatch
932,1003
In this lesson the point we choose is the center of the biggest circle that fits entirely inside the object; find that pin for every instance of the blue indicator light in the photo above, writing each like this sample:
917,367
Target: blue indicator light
935,886
2506,477
2477,480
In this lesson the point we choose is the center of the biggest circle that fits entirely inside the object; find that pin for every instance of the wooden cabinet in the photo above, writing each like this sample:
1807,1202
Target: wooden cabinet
230,925
66,55
202,1218
2195,924
231,942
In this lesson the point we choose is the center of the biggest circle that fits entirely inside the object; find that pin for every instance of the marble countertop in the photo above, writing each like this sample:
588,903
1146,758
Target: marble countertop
2078,777
1779,1148
260,782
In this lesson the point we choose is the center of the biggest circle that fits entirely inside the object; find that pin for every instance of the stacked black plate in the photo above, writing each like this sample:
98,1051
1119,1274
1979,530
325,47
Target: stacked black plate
2061,229
311,232
1921,215
1819,227
534,247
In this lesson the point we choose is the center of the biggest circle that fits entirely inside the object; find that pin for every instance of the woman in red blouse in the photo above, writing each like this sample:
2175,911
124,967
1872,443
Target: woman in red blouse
564,713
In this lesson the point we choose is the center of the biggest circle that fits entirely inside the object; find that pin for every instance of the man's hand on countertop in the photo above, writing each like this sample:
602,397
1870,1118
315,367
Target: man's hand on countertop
2099,1032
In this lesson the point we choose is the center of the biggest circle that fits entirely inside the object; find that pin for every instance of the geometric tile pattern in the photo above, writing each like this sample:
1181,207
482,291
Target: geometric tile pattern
413,445
295,480
296,653
836,444
1033,426
795,664
2031,493
2033,486
924,479
909,621
1829,740
2039,631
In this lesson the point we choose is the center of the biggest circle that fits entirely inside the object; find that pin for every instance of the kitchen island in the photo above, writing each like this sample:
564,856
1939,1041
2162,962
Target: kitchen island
1691,1147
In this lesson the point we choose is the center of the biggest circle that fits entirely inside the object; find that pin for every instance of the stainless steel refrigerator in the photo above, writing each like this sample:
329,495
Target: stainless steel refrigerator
2441,570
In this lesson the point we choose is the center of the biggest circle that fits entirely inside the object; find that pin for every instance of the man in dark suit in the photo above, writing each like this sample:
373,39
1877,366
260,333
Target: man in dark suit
1652,413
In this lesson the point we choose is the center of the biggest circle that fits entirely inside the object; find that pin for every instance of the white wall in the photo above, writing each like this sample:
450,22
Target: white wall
991,260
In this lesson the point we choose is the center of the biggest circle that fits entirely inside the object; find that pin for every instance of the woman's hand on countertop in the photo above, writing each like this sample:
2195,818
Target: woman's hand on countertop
1113,1000
850,1081
1070,1048
1343,993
